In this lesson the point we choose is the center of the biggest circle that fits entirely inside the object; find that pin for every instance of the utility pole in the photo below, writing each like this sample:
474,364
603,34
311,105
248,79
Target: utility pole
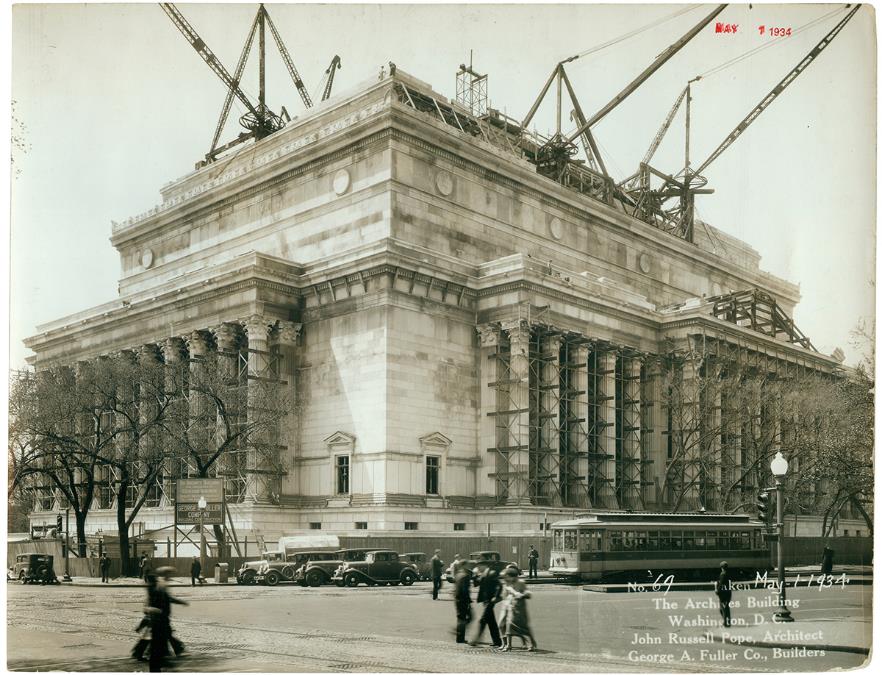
67,545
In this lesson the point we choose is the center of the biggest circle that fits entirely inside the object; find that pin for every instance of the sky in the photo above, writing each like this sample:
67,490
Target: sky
112,103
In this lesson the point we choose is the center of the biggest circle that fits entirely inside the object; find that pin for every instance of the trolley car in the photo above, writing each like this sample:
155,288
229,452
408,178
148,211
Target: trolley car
627,545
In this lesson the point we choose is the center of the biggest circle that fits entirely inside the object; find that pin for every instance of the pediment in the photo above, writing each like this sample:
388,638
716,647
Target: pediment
436,439
340,438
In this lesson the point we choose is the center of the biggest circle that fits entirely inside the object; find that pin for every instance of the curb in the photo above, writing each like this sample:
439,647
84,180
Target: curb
787,645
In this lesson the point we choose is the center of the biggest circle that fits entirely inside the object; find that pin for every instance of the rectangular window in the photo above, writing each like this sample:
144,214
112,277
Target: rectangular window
557,538
458,527
360,525
342,474
570,540
315,526
411,525
433,469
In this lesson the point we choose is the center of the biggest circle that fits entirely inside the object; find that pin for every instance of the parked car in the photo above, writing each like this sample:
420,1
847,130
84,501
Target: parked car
422,563
274,571
34,568
378,567
247,573
483,560
318,572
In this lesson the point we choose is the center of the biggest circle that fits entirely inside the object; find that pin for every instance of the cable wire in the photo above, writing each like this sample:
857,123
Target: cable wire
632,33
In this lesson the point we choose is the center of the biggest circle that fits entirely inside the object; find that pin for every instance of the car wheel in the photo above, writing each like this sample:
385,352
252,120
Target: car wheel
314,578
288,572
248,577
350,580
407,578
273,578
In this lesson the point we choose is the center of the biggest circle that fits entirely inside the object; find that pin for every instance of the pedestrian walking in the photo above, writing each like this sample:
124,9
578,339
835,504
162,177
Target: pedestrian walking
515,621
723,589
437,573
195,571
144,627
827,561
104,567
144,566
489,594
160,602
534,562
463,601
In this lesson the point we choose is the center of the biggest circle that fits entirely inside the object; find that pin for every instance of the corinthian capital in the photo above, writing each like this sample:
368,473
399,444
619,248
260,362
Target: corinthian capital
287,332
488,334
227,337
256,327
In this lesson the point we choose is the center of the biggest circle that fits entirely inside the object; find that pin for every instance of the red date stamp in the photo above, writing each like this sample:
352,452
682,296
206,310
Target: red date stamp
775,31
725,27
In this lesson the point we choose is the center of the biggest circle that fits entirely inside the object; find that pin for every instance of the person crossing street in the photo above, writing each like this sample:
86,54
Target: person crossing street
489,593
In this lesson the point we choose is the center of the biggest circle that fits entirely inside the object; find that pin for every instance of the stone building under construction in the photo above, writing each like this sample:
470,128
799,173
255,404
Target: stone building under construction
466,342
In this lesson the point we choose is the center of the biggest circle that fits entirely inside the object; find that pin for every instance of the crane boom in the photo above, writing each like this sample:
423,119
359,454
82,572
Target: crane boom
660,60
286,57
237,77
207,55
664,128
335,63
776,91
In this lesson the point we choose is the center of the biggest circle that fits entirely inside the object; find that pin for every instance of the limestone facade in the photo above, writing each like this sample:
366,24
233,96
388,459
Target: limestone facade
439,311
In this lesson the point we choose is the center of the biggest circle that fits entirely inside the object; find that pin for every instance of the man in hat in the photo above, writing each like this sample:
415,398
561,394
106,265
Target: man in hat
723,589
489,593
104,567
437,573
195,571
533,557
160,602
462,599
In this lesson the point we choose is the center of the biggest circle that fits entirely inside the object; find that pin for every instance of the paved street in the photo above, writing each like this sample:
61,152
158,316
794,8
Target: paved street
288,628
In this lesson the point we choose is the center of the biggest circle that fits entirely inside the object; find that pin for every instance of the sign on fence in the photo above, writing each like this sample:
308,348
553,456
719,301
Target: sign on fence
188,492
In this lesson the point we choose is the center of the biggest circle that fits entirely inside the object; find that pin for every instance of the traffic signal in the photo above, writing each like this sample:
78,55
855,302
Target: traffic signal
763,508
59,524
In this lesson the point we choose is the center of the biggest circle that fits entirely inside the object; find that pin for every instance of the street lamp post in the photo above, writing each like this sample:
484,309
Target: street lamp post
202,505
67,545
779,470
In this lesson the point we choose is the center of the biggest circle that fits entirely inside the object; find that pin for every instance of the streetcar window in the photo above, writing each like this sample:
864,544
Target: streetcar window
590,540
664,541
615,540
570,540
640,543
688,541
557,536
676,540
652,541
745,540
711,541
699,541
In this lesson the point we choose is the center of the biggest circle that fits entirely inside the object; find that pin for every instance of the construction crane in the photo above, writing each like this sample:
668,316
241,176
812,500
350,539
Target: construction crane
329,77
649,204
554,156
259,121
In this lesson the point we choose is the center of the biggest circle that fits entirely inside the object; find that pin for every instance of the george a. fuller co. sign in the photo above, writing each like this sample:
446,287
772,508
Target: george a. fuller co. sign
188,492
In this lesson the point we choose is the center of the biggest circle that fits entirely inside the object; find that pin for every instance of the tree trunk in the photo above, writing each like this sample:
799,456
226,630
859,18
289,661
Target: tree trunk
80,517
221,542
123,529
860,507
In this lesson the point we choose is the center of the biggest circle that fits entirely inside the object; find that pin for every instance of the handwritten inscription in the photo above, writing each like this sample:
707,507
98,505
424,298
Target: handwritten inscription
775,31
729,28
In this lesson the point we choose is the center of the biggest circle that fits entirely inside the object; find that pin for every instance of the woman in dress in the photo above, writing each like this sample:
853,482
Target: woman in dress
514,621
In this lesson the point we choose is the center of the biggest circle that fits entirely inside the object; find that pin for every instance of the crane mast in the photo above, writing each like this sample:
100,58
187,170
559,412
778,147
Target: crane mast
329,73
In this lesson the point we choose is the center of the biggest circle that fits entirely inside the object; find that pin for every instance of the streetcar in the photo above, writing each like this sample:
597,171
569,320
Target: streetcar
630,545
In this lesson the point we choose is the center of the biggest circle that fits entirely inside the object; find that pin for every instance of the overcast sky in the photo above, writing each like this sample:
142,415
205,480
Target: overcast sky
115,103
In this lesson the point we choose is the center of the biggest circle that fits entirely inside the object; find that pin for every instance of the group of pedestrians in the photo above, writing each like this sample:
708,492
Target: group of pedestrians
155,628
505,591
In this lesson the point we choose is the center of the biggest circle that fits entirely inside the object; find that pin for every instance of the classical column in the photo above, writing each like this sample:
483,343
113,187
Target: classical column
488,422
285,337
730,439
517,412
652,439
606,372
257,330
577,483
548,422
630,433
202,414
176,383
688,434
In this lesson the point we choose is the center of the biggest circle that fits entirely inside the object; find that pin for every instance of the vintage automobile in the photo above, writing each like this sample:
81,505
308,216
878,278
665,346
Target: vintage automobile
378,567
483,560
274,571
421,561
34,568
247,573
317,572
